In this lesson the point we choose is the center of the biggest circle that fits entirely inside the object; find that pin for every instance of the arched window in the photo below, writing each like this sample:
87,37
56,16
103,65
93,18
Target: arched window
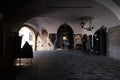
27,35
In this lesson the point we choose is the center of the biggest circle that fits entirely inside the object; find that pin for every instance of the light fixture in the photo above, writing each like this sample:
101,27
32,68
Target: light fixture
85,23
82,24
89,29
64,38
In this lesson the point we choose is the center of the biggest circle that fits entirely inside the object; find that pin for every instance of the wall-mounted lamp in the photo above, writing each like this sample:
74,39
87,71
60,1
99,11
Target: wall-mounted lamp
82,24
89,28
86,20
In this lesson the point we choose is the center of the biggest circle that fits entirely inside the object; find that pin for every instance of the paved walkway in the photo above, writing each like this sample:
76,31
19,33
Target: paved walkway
70,65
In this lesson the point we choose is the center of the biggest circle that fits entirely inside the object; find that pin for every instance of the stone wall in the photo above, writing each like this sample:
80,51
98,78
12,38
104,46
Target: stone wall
114,42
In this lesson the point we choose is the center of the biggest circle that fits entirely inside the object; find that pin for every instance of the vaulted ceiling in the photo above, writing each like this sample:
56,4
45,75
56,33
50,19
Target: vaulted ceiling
30,7
19,11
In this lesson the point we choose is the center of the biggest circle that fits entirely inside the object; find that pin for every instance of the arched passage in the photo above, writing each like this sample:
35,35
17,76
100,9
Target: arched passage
28,35
65,33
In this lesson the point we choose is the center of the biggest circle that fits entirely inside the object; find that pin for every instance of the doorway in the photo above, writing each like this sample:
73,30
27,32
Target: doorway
65,33
27,35
100,41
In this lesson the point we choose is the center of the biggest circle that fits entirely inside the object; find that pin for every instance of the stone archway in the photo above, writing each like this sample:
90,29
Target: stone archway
65,33
28,35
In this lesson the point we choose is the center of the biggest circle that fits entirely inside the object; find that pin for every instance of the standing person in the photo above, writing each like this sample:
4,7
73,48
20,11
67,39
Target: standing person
66,44
63,44
88,44
55,44
84,40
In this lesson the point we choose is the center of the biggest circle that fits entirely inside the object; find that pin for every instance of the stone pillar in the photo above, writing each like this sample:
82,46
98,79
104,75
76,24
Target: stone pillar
1,35
6,60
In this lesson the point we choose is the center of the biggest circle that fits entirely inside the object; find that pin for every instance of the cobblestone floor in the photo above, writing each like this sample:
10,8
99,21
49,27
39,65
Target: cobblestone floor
70,65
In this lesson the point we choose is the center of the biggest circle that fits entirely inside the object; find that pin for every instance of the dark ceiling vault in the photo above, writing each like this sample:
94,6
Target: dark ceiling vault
117,2
8,5
17,10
